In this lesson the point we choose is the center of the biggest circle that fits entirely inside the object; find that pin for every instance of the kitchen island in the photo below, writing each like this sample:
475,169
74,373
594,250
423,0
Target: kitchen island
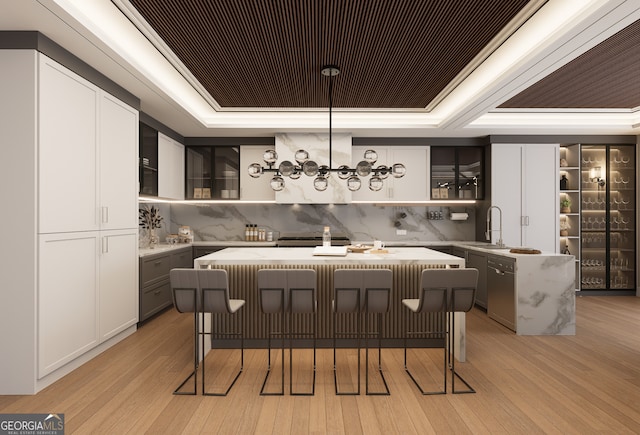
407,264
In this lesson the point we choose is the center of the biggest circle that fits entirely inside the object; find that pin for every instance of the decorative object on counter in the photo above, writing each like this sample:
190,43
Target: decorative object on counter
172,239
149,219
565,205
322,172
185,234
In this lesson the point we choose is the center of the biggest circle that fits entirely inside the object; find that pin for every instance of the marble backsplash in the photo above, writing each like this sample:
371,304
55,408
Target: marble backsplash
360,222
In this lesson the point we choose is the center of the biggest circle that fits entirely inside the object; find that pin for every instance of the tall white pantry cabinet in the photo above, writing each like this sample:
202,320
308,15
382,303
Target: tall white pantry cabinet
524,184
68,269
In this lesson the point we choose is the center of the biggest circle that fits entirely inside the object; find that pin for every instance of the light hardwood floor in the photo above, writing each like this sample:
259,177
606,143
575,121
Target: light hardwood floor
588,383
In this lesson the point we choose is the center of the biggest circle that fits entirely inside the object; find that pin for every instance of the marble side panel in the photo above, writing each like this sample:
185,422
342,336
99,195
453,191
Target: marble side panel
545,295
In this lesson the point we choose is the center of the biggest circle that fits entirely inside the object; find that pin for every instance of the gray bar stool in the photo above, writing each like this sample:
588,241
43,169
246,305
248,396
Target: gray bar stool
444,291
184,288
361,291
214,286
290,292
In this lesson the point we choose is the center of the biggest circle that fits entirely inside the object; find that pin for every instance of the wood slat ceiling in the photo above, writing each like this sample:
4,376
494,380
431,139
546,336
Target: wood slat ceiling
607,76
268,53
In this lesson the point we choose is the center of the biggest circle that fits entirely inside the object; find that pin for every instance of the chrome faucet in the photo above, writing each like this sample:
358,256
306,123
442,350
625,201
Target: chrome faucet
489,230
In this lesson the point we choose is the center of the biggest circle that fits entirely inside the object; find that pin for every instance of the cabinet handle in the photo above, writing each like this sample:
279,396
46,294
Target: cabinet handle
105,245
158,263
105,215
157,292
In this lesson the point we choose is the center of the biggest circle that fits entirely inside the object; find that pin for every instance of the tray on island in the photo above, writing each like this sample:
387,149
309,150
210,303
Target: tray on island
359,249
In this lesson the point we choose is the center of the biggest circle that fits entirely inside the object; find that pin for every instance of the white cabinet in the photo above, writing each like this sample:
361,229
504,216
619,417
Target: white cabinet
170,168
118,303
87,155
524,184
87,292
414,186
67,298
118,164
72,177
254,189
67,182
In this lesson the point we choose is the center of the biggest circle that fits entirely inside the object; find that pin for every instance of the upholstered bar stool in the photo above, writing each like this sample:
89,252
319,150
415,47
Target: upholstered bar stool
289,292
443,291
184,289
361,291
214,287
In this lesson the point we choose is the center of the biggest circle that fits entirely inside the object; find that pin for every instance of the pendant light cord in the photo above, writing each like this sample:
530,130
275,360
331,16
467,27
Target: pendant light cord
330,119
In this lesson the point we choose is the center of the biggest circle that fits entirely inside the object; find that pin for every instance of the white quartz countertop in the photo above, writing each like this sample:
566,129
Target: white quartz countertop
162,248
166,247
504,252
391,246
233,243
305,256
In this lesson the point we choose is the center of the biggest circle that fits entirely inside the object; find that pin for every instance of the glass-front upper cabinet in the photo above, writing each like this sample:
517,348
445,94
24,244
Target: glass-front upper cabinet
457,172
212,172
148,161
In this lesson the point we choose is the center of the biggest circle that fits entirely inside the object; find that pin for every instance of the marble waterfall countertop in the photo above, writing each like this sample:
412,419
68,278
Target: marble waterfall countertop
305,256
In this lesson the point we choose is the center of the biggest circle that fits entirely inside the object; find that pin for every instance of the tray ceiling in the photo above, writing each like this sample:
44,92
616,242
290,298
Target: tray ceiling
401,54
268,53
607,76
409,68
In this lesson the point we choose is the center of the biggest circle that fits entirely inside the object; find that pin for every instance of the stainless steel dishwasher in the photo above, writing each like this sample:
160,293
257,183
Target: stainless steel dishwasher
501,291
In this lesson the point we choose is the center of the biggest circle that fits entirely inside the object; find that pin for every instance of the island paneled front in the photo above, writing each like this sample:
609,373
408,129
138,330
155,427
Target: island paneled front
406,264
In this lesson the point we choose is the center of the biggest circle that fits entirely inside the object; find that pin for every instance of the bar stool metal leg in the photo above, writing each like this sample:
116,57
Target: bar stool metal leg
270,333
194,373
314,336
366,375
444,357
294,292
358,344
452,357
211,333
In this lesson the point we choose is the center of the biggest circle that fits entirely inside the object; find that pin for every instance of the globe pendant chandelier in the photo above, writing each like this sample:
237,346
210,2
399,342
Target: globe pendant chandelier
321,173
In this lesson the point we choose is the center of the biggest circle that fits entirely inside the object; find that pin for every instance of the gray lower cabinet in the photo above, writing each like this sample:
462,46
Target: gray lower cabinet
199,251
478,261
459,252
445,249
155,288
